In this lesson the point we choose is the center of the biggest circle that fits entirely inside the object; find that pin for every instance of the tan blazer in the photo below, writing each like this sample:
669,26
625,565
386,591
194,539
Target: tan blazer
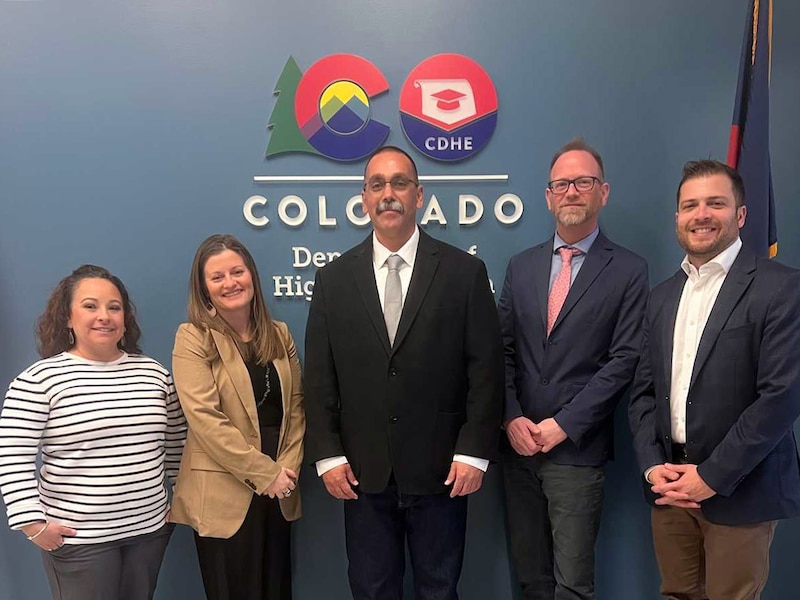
222,463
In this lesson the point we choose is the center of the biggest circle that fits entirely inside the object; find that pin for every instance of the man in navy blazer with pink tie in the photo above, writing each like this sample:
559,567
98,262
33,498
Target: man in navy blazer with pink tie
570,314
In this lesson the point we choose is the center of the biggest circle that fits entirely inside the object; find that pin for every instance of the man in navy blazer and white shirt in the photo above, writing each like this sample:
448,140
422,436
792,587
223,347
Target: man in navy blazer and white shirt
715,398
570,315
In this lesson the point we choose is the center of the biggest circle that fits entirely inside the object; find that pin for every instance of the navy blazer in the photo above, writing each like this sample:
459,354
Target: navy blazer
580,372
403,409
744,393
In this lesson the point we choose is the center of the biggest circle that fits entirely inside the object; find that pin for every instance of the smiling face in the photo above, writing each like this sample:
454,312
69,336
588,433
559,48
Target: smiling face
392,211
708,220
97,319
576,212
229,284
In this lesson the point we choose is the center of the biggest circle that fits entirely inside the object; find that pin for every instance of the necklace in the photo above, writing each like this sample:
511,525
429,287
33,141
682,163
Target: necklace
266,389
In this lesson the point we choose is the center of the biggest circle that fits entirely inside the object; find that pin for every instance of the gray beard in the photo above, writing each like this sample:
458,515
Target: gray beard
573,217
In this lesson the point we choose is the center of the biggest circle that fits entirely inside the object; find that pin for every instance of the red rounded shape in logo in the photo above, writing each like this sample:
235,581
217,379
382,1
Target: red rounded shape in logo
448,90
332,110
448,107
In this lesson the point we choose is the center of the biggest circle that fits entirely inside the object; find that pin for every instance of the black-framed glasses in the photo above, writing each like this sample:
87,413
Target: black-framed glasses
399,183
582,184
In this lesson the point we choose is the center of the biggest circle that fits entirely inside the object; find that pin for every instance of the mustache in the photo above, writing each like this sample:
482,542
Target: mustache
393,205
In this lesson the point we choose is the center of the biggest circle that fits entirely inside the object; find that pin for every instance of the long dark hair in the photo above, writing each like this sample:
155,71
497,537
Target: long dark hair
52,333
264,345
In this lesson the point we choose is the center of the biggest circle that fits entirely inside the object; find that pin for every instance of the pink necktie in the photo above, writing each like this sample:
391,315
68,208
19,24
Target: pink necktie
560,289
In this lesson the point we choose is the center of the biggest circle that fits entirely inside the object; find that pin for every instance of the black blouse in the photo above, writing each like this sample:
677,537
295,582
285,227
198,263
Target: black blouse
267,391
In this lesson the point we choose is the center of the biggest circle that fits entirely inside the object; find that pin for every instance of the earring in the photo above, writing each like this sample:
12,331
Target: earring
70,336
212,310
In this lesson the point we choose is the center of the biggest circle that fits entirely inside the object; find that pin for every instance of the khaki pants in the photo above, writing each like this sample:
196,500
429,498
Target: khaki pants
700,560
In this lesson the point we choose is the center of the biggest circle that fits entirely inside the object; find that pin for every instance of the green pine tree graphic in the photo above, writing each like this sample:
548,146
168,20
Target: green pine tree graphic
285,135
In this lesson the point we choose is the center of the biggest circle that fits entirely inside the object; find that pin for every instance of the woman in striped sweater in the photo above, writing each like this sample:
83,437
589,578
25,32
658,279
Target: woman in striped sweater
111,432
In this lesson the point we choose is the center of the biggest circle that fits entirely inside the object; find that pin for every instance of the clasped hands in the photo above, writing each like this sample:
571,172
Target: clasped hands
679,485
282,485
529,438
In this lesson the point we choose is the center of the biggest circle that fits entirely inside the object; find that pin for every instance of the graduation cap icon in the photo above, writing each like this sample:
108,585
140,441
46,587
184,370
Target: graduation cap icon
448,99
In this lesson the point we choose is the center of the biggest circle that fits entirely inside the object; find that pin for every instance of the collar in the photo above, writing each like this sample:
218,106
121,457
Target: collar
408,251
583,245
724,260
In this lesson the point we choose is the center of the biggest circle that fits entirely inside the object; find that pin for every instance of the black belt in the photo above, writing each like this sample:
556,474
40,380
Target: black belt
679,456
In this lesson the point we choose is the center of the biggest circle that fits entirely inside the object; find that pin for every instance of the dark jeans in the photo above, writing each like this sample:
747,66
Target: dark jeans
553,519
121,570
377,527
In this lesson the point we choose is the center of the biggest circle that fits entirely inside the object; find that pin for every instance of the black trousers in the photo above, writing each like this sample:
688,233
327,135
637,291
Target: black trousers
255,563
377,528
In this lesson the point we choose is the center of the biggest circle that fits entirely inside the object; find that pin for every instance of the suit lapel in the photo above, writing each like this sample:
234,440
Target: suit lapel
364,275
425,265
735,285
669,317
237,371
542,262
283,369
599,256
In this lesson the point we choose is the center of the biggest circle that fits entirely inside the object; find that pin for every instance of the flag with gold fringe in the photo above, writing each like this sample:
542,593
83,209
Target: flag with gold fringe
748,149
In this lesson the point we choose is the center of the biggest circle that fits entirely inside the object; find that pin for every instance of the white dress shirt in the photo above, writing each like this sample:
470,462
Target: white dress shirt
408,252
697,299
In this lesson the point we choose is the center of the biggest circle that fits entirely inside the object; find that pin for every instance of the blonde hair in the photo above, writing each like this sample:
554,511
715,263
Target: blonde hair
264,344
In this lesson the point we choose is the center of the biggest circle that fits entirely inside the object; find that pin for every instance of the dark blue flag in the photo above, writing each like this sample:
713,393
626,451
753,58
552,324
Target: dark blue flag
748,151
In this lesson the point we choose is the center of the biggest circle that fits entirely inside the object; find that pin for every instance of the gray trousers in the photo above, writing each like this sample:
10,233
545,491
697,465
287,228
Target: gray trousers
120,570
553,518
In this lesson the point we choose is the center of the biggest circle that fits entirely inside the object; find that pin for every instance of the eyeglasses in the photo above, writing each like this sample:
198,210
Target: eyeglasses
582,184
399,183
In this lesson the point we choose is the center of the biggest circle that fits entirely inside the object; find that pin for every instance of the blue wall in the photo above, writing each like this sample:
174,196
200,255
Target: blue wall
131,130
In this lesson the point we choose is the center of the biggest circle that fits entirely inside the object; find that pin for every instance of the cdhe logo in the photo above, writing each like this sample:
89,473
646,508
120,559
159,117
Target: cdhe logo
448,108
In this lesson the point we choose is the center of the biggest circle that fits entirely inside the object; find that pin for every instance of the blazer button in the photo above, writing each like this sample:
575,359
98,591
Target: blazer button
393,372
545,381
251,484
393,419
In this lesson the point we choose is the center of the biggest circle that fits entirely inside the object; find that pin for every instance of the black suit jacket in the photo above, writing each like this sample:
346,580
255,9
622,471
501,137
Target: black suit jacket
404,409
744,394
579,373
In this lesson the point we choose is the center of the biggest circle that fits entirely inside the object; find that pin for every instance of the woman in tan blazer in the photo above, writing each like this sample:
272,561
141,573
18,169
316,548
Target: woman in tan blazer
238,380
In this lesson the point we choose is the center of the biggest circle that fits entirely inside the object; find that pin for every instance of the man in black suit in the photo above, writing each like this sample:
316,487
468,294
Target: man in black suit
570,313
403,390
715,397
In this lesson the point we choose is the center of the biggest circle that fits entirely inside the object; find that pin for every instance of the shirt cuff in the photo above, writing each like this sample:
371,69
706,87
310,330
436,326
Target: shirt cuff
647,474
478,463
326,464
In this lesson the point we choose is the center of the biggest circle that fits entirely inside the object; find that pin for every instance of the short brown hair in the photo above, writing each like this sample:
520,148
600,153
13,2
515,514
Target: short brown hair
578,143
264,344
52,333
706,167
